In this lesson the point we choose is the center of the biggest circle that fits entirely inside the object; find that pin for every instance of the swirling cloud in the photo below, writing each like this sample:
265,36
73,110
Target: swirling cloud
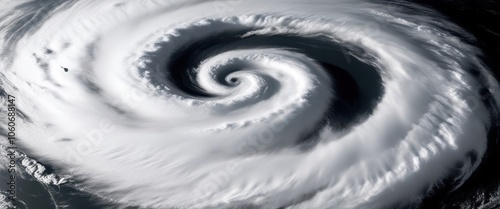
268,104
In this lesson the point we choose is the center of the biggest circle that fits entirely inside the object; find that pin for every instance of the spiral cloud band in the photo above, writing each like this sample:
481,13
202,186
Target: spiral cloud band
233,104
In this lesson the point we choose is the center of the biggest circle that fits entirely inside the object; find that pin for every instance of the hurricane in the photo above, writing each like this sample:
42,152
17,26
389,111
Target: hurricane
245,104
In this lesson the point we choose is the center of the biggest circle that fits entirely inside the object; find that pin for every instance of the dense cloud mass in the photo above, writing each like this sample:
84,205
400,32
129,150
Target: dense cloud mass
232,104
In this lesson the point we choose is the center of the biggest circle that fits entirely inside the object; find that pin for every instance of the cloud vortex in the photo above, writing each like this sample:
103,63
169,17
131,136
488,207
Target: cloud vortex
231,104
